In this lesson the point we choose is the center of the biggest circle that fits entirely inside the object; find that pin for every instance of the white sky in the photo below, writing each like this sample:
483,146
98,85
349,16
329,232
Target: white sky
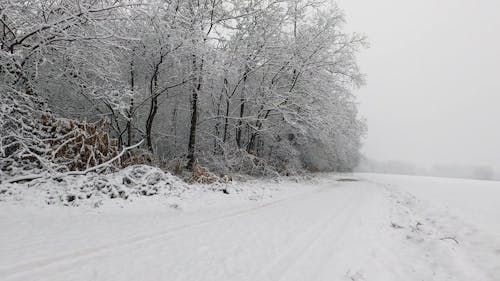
433,79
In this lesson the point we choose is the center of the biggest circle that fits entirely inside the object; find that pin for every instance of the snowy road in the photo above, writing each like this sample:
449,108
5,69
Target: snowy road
366,230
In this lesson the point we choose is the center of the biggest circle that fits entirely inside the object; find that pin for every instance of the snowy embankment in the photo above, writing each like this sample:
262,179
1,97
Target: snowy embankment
94,189
379,228
466,210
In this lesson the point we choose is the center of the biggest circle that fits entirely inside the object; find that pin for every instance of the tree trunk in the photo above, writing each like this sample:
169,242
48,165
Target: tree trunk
216,128
242,107
152,112
194,114
253,138
226,120
192,130
217,146
174,126
131,107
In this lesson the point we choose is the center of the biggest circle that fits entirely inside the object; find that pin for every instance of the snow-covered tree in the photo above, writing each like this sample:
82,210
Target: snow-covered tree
236,85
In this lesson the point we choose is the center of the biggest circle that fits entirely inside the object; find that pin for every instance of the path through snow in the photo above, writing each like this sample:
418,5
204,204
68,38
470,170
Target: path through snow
367,230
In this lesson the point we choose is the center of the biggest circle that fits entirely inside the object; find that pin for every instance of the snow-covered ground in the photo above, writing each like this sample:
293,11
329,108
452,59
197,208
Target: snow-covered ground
466,209
378,228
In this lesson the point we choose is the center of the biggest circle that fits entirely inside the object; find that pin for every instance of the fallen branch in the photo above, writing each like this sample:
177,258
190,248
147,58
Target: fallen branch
76,173
450,238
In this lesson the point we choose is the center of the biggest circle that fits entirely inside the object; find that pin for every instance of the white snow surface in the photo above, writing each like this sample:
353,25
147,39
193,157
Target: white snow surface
380,228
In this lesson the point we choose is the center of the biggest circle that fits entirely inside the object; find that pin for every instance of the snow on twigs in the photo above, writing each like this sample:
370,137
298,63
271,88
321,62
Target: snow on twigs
93,189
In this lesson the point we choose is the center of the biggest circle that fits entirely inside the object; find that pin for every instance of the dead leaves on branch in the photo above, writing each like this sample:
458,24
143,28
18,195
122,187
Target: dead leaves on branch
202,175
80,145
34,141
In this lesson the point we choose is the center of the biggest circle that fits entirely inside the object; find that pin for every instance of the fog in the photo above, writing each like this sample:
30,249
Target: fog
433,80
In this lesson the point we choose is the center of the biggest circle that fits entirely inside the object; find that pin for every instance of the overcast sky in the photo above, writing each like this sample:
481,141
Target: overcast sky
433,79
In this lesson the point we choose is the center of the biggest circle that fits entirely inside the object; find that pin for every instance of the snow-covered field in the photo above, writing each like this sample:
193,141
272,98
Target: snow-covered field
381,227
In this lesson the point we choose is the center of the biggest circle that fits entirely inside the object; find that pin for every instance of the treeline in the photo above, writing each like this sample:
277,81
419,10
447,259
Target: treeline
250,86
480,172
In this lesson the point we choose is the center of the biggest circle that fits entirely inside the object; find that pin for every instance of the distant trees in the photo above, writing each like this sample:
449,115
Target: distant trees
237,85
367,165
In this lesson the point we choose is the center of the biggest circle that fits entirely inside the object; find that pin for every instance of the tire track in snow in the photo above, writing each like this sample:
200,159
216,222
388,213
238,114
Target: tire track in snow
302,243
335,225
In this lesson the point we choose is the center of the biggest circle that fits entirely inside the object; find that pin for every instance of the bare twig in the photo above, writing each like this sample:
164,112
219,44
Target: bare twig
450,238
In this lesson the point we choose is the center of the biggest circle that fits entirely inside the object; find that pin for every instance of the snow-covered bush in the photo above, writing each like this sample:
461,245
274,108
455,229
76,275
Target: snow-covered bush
93,189
24,145
203,175
243,162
